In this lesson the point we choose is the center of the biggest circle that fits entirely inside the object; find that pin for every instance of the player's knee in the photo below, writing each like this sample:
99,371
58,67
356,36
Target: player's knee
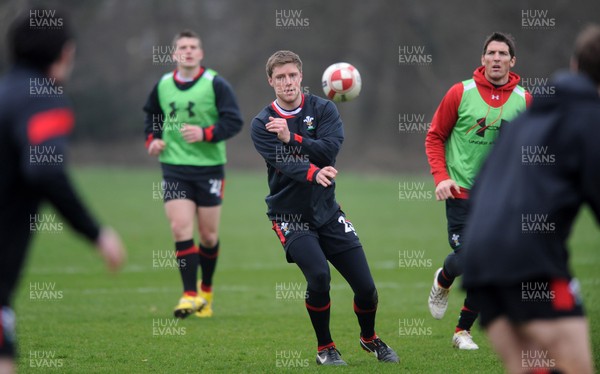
368,297
375,296
319,281
181,229
209,239
454,264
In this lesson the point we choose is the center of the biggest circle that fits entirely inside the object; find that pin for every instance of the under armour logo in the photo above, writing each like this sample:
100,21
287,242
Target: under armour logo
483,126
174,109
495,97
480,132
189,109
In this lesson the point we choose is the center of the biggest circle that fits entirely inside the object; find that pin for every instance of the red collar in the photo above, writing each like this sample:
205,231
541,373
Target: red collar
195,78
287,113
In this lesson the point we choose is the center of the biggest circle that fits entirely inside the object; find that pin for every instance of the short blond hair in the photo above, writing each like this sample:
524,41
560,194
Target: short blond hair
281,58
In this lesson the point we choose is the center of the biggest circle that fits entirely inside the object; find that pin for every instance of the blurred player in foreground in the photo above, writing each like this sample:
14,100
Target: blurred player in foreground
463,130
544,167
299,136
189,114
35,120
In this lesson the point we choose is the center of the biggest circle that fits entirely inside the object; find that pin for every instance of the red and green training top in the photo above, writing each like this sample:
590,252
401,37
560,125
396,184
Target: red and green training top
466,125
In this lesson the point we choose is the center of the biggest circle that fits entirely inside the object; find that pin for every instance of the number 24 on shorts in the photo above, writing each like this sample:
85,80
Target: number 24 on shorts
348,227
216,187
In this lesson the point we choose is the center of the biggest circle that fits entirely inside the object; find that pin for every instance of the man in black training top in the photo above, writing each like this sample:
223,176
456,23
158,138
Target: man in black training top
299,136
543,168
35,120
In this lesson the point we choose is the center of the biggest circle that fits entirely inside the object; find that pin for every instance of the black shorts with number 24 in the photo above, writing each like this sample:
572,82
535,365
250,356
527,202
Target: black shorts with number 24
203,185
336,236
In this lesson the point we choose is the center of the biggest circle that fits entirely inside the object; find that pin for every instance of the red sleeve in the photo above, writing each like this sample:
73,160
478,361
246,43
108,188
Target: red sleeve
209,133
528,99
149,140
49,124
312,170
443,122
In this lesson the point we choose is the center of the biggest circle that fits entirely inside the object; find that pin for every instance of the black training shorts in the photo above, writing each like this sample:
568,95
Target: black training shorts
204,185
529,300
336,236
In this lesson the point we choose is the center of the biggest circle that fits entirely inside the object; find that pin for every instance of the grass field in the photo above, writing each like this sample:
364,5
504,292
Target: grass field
75,317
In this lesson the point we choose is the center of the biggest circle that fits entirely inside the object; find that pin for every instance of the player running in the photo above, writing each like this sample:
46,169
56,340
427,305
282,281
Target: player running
189,115
463,130
545,165
302,207
35,120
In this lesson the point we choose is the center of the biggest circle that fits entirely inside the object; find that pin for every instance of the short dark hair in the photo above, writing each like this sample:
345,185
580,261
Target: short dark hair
587,52
281,58
37,38
187,33
503,38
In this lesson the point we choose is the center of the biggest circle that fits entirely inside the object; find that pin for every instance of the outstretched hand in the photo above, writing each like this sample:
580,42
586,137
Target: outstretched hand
111,248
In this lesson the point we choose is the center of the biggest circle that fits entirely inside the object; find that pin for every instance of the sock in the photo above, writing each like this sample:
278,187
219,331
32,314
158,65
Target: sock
318,306
443,279
365,312
208,262
322,347
467,317
205,288
187,261
367,340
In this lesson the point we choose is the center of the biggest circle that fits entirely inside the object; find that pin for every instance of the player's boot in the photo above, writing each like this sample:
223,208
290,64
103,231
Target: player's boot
188,305
381,350
463,340
438,298
207,311
330,356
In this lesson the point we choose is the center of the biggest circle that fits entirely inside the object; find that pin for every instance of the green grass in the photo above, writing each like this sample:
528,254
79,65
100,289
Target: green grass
104,323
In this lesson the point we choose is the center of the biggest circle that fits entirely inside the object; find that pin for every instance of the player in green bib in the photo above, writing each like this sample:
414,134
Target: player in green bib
463,130
189,115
